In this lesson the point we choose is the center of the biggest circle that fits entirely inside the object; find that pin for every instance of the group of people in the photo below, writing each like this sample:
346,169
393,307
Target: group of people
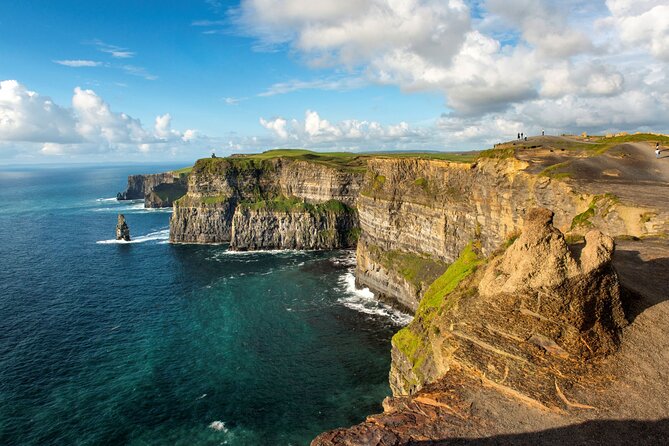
522,136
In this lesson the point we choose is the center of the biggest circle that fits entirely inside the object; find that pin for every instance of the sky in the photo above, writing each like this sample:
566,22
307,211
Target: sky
168,80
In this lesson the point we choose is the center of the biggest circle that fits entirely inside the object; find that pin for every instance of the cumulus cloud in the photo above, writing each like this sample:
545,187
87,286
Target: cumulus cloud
493,60
315,131
88,126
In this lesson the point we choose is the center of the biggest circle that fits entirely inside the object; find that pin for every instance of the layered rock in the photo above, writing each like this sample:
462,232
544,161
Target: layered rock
157,190
307,227
270,203
122,229
528,326
435,208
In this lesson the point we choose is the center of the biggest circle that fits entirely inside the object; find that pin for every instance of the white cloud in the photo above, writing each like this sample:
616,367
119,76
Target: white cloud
276,125
508,57
41,126
27,116
315,131
77,63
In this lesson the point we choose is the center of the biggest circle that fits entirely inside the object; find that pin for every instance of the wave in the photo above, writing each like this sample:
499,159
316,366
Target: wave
364,301
107,199
218,426
162,236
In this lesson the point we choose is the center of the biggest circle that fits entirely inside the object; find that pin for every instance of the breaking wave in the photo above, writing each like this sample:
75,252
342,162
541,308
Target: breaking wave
162,236
363,300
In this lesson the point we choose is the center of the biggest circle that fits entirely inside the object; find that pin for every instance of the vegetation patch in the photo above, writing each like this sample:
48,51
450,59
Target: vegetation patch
555,171
183,171
214,199
414,268
170,191
293,204
435,296
602,203
440,298
503,152
421,182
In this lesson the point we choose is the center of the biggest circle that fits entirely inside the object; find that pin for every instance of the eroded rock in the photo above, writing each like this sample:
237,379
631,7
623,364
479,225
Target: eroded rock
122,229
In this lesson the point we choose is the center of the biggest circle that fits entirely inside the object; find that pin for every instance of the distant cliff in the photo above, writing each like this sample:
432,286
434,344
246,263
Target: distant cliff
273,203
157,190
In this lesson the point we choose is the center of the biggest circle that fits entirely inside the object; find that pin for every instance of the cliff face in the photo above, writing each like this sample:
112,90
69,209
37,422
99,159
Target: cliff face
310,228
157,190
434,208
526,325
268,204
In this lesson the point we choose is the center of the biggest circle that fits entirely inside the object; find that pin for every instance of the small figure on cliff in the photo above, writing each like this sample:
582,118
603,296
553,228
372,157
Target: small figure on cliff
518,135
657,150
542,132
122,229
213,155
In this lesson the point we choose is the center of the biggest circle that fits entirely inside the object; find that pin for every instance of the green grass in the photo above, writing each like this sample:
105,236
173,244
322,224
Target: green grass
421,182
183,171
414,268
170,191
438,299
459,270
293,204
602,203
215,199
554,171
466,157
503,152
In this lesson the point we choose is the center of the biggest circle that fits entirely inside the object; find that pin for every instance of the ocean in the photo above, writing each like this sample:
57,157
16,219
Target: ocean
149,343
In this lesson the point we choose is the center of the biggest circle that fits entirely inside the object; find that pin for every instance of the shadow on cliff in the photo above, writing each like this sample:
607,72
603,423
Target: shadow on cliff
645,282
601,432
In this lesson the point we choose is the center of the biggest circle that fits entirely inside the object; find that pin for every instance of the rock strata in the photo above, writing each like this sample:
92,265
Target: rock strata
528,326
268,204
157,190
122,229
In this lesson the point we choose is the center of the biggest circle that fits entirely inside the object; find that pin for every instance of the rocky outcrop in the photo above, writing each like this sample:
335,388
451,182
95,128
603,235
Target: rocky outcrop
306,227
527,325
435,208
157,190
268,204
122,229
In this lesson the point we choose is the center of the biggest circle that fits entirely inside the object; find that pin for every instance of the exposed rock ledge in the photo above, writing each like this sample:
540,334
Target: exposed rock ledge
527,342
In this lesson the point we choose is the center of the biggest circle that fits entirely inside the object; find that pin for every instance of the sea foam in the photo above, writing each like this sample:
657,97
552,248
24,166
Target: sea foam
364,301
161,236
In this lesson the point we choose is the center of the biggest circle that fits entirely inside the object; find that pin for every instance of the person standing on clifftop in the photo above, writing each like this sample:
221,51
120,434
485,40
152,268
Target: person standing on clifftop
657,150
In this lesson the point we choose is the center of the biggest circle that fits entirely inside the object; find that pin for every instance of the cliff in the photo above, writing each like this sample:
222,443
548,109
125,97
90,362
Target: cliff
270,203
431,209
508,303
157,190
530,324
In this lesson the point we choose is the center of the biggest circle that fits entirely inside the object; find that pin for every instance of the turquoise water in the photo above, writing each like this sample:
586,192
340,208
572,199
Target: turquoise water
151,343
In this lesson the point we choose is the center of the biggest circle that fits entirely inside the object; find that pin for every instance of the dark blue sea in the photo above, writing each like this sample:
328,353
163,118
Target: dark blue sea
149,343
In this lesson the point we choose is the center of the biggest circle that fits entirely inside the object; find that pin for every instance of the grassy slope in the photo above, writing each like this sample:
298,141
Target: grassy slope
438,299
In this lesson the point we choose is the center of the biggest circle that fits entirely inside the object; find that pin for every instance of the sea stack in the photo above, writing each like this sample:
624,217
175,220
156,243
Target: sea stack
122,230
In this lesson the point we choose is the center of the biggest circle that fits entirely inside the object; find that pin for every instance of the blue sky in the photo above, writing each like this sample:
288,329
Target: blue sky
345,75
